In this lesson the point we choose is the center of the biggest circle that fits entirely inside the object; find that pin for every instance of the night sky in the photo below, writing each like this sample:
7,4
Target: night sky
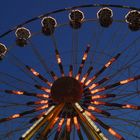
105,42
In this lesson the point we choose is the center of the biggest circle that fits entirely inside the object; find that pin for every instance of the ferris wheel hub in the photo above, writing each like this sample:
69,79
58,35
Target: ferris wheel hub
66,89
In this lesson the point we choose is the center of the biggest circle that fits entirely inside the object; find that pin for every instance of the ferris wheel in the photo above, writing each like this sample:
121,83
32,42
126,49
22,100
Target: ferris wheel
72,73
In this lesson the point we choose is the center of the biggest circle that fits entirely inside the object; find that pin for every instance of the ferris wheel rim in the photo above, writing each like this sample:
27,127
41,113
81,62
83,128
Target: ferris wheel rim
66,9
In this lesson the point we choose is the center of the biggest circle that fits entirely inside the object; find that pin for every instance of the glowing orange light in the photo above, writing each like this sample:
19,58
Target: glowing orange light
93,86
70,71
111,131
130,106
53,123
43,95
68,124
86,75
96,97
15,116
83,79
42,107
17,92
88,113
70,74
110,62
34,72
96,110
50,84
60,124
98,103
45,89
97,90
50,116
91,108
85,56
58,58
41,102
77,77
126,81
76,123
88,82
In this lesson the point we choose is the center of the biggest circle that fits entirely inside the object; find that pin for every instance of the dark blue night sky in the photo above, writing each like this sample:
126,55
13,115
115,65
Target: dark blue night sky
105,44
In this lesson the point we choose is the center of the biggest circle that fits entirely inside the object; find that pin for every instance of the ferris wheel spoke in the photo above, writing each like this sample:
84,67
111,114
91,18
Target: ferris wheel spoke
104,96
71,71
16,92
55,77
39,102
35,73
50,130
10,133
122,40
15,78
123,106
19,115
80,135
59,128
103,51
77,125
22,67
83,62
94,38
37,117
58,58
121,113
88,133
98,83
6,104
105,126
59,61
116,33
123,82
86,75
53,120
124,67
108,64
52,133
131,44
40,57
11,85
45,89
122,90
95,109
95,131
130,134
126,95
63,133
126,120
39,123
97,44
75,48
128,82
88,98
